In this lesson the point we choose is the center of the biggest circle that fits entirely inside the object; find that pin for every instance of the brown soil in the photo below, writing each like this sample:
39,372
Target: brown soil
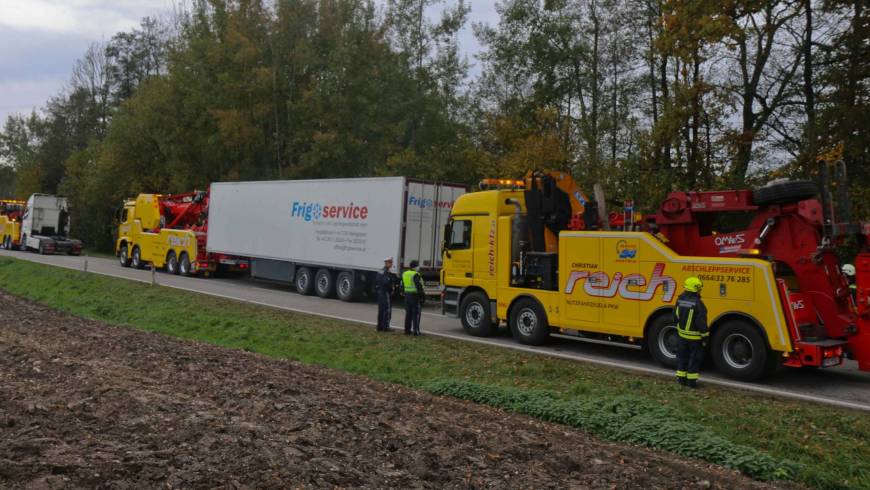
84,404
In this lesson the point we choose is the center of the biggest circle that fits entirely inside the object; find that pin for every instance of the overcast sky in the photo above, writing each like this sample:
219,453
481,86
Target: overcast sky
40,40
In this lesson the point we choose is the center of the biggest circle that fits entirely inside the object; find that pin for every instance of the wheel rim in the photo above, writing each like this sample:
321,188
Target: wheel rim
737,350
124,255
171,263
302,282
527,321
344,286
667,341
136,257
323,283
185,265
474,315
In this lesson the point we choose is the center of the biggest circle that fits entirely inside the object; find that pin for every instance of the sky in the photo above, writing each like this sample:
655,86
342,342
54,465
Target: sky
40,40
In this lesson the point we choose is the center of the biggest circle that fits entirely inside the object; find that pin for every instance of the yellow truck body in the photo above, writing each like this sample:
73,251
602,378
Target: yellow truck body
606,284
142,240
10,232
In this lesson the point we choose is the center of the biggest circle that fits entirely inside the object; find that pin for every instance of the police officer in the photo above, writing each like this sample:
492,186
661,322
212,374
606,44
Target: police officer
690,316
412,285
384,285
849,272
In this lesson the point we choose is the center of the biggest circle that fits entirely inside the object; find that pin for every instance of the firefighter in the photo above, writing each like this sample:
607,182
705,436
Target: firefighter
690,316
849,272
384,285
412,285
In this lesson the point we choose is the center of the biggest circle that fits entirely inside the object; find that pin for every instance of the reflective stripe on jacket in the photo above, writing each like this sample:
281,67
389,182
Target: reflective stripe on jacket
690,315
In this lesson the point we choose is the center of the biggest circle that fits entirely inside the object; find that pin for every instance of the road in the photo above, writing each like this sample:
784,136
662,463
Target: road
842,386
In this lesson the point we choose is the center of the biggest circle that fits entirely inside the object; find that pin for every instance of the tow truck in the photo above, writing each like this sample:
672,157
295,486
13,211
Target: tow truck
170,232
11,211
537,254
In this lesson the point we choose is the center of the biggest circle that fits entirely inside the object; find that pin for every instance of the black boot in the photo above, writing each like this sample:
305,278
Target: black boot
692,383
681,381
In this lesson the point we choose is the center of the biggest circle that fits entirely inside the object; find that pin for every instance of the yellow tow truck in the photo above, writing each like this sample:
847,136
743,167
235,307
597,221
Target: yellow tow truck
10,223
531,253
170,232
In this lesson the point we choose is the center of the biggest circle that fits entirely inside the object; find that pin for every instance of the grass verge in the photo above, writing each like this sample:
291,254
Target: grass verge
767,438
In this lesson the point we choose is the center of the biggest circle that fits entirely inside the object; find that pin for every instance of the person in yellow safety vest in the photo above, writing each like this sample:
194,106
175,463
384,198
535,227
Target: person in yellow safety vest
849,272
412,285
690,315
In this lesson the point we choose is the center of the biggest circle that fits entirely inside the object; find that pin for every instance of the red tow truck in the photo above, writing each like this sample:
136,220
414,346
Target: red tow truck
784,224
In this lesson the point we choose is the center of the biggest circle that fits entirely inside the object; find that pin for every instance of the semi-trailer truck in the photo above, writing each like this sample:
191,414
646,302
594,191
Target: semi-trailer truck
45,226
330,236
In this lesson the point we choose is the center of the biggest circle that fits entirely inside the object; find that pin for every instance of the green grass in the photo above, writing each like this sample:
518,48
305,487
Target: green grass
817,445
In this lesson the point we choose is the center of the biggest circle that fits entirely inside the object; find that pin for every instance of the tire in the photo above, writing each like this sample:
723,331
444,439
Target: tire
304,281
23,245
41,248
172,263
324,283
739,351
476,315
662,339
784,192
5,243
528,322
136,258
346,287
184,265
123,255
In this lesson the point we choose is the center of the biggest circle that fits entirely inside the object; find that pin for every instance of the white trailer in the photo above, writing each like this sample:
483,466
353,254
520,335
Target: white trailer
330,236
45,226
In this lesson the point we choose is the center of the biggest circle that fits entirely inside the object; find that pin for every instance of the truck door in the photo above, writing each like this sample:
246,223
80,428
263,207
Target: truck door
628,286
580,258
458,253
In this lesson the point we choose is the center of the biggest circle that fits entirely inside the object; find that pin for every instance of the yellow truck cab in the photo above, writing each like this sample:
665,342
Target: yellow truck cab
143,238
606,285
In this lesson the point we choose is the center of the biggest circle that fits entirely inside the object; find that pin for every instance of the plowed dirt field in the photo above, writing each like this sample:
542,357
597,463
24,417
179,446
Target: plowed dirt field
84,404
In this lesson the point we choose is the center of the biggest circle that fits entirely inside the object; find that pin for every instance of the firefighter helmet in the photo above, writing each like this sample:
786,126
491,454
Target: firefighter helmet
693,285
849,269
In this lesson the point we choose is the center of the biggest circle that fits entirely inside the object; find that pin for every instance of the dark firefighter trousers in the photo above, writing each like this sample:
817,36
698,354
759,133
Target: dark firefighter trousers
690,353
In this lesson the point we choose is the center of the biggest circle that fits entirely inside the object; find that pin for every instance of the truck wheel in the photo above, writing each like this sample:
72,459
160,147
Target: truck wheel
136,260
172,263
304,281
345,287
324,283
6,242
184,264
739,351
123,256
784,192
529,322
41,248
475,315
23,245
662,339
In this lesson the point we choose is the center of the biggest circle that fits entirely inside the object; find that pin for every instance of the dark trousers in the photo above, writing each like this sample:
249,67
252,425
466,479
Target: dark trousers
690,353
384,312
412,314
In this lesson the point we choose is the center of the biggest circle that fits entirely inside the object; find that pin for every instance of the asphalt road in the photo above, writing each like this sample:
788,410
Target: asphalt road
843,386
